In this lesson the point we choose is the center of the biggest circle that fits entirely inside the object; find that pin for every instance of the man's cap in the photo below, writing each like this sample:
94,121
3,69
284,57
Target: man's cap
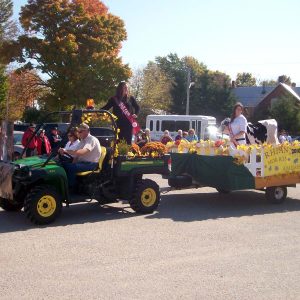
54,128
32,125
84,126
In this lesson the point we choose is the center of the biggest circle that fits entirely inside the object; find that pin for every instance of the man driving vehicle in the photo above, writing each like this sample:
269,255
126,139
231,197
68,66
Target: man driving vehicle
86,156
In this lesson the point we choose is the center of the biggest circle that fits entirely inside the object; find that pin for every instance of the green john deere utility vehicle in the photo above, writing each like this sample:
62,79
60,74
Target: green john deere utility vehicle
39,184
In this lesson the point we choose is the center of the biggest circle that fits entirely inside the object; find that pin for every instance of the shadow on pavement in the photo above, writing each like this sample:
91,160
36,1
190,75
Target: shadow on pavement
204,206
178,207
76,214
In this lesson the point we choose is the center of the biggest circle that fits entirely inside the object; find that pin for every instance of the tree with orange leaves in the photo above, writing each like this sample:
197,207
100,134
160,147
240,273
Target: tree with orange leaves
24,89
75,44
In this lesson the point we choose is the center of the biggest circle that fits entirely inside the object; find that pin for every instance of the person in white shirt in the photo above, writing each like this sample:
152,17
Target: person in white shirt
73,142
282,137
87,155
237,127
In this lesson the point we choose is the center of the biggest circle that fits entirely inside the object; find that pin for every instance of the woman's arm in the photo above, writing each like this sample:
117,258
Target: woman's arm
108,105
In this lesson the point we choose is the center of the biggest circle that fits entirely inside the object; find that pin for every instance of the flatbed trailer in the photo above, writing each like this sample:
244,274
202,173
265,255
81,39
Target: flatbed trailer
224,174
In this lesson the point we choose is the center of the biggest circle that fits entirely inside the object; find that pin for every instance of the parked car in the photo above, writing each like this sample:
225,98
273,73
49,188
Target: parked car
62,127
21,127
18,147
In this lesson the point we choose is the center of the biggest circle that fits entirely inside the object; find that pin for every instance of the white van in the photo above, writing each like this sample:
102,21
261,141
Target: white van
205,126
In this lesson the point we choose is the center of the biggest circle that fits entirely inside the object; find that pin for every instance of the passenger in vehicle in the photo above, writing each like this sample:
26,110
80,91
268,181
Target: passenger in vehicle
86,155
166,137
126,109
28,136
143,139
43,144
237,127
192,137
185,135
54,137
178,137
73,138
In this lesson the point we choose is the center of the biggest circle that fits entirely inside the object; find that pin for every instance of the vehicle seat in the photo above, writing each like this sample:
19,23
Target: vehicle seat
98,170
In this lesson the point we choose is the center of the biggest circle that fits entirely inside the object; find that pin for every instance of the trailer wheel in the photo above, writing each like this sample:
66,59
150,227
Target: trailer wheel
223,191
146,197
276,194
42,204
8,206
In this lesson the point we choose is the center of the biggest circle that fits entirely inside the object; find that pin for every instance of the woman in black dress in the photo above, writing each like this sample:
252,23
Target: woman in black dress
123,122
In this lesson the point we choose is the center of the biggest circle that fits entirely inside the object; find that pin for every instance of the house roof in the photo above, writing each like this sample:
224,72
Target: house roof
294,91
251,96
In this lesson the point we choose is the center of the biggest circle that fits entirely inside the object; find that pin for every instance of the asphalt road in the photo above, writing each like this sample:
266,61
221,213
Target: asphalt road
199,245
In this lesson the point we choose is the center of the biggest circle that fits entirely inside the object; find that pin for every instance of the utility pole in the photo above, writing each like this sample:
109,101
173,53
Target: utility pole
189,84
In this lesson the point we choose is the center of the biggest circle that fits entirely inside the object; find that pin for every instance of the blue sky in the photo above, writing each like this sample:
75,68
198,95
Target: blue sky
257,36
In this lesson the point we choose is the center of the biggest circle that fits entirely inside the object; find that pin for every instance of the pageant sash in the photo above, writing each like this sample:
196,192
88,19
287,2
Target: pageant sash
135,126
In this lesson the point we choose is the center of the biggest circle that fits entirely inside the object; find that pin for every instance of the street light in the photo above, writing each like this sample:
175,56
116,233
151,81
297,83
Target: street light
189,85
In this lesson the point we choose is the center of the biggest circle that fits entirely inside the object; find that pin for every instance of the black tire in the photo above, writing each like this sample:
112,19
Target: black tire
42,204
276,194
223,191
146,197
8,206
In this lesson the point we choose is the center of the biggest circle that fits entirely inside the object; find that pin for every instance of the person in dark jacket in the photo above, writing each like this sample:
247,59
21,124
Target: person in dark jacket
43,144
54,138
124,122
28,137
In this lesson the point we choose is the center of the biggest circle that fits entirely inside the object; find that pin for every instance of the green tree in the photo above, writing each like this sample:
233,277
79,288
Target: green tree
75,43
7,26
136,83
213,95
156,92
3,90
269,82
286,110
210,93
284,79
176,69
245,79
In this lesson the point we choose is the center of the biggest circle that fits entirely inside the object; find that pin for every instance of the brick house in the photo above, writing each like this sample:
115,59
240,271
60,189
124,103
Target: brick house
257,98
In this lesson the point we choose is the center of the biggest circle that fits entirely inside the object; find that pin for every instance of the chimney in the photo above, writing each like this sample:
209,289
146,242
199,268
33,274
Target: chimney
233,84
293,84
264,88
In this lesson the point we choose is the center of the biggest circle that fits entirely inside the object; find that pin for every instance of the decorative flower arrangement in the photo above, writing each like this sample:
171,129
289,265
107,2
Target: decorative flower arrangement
154,149
122,148
135,149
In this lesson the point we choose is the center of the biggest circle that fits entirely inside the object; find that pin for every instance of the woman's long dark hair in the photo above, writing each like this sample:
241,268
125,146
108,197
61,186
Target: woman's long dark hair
238,104
119,90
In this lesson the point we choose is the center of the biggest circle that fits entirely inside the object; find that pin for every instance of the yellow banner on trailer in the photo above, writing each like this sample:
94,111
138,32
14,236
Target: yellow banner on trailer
282,159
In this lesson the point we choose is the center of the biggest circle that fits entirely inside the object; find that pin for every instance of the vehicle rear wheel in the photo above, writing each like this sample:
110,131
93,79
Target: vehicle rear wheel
42,204
146,197
8,206
276,194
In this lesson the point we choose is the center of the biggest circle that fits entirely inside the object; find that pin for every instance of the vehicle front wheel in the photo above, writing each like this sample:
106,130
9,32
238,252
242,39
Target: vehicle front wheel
9,206
146,197
42,204
276,194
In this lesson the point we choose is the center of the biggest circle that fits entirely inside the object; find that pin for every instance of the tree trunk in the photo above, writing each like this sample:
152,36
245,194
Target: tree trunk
6,141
